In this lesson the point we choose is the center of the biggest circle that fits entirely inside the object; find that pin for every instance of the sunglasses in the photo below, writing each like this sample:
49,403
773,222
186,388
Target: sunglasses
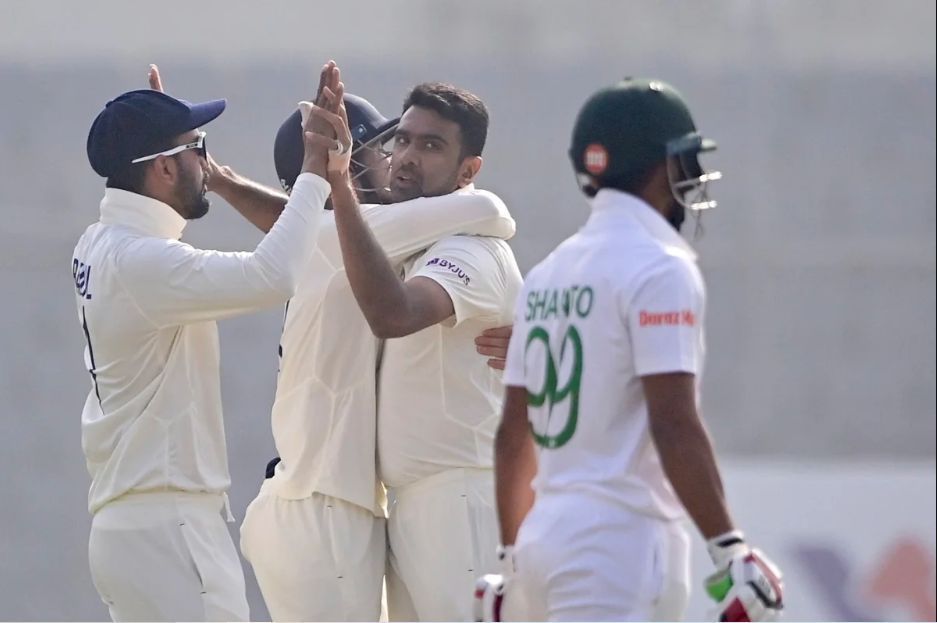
198,143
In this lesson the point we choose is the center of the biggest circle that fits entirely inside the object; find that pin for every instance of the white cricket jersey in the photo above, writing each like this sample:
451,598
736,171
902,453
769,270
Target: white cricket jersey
325,408
621,299
440,401
147,304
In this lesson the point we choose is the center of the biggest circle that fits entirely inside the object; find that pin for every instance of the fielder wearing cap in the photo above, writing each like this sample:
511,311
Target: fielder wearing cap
152,429
603,380
315,534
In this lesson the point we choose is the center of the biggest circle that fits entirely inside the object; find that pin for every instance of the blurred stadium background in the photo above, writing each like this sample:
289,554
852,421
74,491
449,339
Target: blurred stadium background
820,260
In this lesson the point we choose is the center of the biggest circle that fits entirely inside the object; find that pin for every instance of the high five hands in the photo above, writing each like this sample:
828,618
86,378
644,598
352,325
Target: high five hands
325,123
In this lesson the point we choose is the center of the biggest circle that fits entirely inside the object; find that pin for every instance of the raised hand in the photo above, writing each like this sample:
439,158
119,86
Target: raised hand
340,152
319,134
338,138
153,75
329,80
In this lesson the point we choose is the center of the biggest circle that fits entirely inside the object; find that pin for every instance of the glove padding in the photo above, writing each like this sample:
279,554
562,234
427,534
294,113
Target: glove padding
489,595
490,589
747,586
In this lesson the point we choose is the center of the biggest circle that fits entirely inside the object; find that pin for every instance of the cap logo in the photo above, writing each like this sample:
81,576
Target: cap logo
595,158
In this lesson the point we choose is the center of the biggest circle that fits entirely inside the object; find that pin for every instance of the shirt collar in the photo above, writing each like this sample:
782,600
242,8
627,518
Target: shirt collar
614,205
145,214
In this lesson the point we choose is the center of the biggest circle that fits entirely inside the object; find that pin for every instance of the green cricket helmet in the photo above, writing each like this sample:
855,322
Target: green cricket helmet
626,129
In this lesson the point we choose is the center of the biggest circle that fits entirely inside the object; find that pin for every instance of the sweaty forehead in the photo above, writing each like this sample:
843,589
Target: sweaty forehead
418,121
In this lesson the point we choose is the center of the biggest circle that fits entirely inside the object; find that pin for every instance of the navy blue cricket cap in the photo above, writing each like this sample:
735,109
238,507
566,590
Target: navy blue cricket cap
139,123
364,120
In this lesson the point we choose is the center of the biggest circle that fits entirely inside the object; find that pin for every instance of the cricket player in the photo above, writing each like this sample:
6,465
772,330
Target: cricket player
315,534
152,429
439,403
602,391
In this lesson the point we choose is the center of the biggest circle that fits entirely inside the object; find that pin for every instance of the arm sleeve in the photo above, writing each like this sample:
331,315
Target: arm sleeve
174,283
469,270
514,372
404,228
664,319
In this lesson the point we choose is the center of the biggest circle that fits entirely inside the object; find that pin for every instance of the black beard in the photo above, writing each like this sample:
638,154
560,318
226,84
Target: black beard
677,215
194,199
199,207
375,196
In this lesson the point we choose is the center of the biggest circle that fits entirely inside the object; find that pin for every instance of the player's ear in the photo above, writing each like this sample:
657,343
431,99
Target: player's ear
165,169
469,170
159,174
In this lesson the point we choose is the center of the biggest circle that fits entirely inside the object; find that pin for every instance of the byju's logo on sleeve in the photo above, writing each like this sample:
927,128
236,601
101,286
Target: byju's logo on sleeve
451,267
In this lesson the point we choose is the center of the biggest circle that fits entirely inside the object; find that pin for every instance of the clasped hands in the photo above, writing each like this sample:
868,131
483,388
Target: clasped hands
326,135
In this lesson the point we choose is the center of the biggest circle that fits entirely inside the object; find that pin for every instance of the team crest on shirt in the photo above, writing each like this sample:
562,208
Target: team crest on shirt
451,267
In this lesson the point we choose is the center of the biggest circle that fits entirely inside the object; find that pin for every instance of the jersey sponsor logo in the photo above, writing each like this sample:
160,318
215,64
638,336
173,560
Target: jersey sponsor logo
684,318
559,303
595,159
561,383
451,267
81,272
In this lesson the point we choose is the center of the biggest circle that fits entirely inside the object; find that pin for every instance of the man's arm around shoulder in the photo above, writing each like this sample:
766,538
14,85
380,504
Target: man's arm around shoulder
392,308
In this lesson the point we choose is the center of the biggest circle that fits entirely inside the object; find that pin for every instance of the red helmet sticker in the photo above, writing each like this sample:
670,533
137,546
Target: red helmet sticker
595,158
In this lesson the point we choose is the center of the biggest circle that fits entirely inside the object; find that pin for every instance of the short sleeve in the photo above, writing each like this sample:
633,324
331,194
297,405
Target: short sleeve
664,318
471,271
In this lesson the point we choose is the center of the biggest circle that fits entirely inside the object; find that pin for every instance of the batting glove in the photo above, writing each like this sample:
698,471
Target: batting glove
746,586
490,589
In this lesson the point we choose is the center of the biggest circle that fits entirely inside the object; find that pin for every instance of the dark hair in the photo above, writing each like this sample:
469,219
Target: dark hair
631,183
454,104
132,176
129,178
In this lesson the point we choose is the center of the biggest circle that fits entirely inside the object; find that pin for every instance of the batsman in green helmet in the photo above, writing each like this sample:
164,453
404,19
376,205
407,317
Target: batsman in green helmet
625,132
602,454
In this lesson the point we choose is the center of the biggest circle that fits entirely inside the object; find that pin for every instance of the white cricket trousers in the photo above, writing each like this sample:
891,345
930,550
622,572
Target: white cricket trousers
443,534
167,556
316,559
581,558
